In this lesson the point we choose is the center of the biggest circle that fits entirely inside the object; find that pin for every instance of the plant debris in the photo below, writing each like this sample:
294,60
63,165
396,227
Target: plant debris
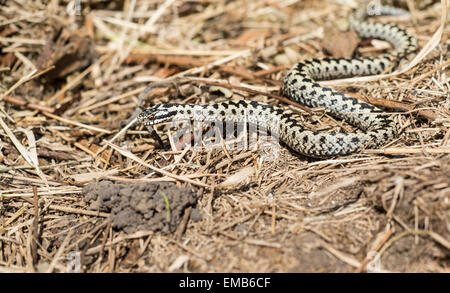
79,178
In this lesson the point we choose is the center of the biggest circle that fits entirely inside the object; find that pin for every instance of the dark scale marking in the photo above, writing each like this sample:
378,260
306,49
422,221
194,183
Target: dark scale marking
339,94
285,116
366,106
300,66
373,136
290,122
266,106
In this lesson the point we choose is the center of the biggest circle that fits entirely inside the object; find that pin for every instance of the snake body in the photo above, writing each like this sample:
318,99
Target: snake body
299,84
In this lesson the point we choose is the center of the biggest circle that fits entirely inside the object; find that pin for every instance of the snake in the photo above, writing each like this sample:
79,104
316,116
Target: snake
375,128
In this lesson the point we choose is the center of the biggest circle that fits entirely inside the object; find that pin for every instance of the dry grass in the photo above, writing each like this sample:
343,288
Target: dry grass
387,207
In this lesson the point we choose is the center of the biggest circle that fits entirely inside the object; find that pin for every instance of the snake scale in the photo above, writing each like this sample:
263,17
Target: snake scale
299,84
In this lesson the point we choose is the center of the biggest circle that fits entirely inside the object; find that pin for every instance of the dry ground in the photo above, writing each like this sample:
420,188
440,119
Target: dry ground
71,79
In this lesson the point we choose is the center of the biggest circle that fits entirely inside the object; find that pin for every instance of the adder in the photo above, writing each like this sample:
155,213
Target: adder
300,85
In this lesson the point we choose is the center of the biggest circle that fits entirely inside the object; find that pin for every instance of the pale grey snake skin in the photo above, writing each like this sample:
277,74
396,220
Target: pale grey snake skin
299,84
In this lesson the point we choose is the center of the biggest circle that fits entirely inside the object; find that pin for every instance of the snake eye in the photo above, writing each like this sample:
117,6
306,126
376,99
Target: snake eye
151,117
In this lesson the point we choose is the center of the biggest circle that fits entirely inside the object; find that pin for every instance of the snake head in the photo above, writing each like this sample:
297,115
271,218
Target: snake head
157,114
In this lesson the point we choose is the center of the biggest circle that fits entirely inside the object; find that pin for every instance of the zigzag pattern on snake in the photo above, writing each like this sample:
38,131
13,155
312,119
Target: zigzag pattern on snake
299,84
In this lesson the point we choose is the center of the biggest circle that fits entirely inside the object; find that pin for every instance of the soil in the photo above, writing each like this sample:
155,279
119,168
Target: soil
142,206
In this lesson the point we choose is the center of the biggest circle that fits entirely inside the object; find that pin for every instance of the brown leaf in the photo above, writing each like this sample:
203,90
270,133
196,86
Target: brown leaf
67,51
340,44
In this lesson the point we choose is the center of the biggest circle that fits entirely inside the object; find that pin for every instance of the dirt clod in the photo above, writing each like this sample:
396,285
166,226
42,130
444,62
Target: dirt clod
140,206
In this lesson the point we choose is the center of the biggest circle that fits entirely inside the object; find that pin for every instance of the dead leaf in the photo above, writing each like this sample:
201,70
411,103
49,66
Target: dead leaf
237,178
340,44
67,51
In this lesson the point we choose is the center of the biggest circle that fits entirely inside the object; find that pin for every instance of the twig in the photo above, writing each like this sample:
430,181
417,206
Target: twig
22,103
377,247
15,216
67,121
183,223
404,151
60,251
35,232
71,210
240,88
243,219
340,255
425,75
436,237
158,170
25,79
398,106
